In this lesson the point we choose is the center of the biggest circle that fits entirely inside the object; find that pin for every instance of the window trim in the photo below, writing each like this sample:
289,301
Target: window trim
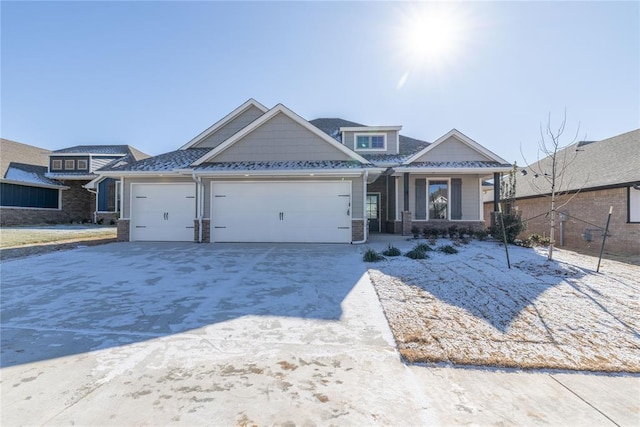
83,161
369,135
69,161
56,162
630,191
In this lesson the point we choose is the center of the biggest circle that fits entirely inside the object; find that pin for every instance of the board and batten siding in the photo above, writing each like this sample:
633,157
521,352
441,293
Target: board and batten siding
470,190
356,191
452,150
231,128
392,141
280,139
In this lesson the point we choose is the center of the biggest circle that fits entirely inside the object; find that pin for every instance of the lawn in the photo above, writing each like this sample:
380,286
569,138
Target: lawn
470,309
11,237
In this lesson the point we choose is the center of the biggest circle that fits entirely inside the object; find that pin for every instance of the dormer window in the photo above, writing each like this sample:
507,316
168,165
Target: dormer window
56,165
69,164
82,164
371,141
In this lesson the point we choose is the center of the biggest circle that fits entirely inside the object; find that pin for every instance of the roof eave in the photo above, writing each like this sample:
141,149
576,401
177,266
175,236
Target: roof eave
33,184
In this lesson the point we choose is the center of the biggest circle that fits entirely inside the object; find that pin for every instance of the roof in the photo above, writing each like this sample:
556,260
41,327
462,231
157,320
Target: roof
462,165
609,162
29,174
178,159
96,149
331,126
12,151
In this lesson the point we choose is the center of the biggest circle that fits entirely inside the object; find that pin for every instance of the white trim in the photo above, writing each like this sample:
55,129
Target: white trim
460,171
462,138
397,215
54,154
226,119
56,160
379,194
369,128
284,173
398,143
30,208
480,196
268,116
70,161
370,135
86,167
64,177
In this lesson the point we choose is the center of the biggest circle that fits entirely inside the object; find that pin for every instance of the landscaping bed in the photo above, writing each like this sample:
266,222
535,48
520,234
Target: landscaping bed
469,308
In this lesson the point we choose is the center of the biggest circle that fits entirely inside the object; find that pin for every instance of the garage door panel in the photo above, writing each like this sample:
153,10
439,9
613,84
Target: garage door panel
281,212
162,212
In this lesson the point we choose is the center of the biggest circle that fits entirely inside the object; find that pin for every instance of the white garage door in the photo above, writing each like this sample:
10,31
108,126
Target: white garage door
162,212
281,212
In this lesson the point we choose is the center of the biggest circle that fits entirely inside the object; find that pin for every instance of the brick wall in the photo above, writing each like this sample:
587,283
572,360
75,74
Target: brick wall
123,230
19,216
592,207
357,230
206,230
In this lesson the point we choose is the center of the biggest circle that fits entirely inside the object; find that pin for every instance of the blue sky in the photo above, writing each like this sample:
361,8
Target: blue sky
155,74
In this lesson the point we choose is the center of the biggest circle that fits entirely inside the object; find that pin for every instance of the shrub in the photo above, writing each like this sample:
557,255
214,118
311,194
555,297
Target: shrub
481,235
448,249
453,231
372,256
391,251
538,239
416,254
513,225
415,230
423,247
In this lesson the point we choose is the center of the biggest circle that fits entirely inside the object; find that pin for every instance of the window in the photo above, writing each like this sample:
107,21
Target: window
438,200
56,165
371,142
82,164
69,164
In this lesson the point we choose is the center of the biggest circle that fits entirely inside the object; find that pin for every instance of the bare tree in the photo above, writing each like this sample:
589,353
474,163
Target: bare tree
550,172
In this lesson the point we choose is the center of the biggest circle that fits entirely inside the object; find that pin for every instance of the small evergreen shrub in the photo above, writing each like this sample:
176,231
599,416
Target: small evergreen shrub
391,251
513,225
423,247
448,249
416,254
415,231
481,235
372,256
537,239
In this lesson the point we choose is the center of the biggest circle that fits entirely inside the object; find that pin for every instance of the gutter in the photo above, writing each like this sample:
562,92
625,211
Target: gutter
199,204
365,175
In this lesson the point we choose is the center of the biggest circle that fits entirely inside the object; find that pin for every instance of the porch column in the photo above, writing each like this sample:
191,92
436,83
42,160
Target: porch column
496,191
406,192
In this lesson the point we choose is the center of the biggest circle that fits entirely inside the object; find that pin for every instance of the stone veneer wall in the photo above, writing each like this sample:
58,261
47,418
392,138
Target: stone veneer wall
206,230
357,230
123,230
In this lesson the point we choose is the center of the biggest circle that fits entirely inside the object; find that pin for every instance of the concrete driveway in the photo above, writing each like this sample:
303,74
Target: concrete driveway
154,334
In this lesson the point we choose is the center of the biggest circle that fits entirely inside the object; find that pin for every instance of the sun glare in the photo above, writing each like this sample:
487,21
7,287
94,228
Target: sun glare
431,37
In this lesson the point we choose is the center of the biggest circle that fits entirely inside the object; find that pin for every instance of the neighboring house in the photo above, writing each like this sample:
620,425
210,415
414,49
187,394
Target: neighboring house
39,186
599,175
268,175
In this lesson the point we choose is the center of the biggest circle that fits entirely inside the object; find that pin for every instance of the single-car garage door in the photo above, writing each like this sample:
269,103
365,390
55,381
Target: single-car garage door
162,212
281,212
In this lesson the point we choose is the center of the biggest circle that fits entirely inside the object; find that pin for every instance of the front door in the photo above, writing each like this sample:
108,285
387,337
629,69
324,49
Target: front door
373,211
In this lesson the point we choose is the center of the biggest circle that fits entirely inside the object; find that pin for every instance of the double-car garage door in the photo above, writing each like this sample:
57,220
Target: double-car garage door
245,212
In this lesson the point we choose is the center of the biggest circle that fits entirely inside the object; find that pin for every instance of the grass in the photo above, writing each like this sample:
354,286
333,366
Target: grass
25,236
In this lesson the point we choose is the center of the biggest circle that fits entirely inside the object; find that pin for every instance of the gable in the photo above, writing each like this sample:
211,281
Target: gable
280,138
452,150
222,133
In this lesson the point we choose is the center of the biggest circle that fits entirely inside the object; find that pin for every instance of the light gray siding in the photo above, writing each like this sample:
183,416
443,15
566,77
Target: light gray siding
452,150
230,128
280,139
392,142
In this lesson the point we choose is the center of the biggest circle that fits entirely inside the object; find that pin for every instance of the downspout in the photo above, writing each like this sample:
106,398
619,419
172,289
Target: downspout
199,204
365,175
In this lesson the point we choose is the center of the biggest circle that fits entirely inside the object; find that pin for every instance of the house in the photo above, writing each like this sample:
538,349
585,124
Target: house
42,186
597,175
268,175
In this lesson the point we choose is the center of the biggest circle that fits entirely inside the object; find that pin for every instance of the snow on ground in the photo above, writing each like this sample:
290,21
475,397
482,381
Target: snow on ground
471,309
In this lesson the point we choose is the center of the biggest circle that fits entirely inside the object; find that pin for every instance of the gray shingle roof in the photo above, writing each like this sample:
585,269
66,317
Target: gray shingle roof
608,162
31,174
95,149
179,159
331,126
283,165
